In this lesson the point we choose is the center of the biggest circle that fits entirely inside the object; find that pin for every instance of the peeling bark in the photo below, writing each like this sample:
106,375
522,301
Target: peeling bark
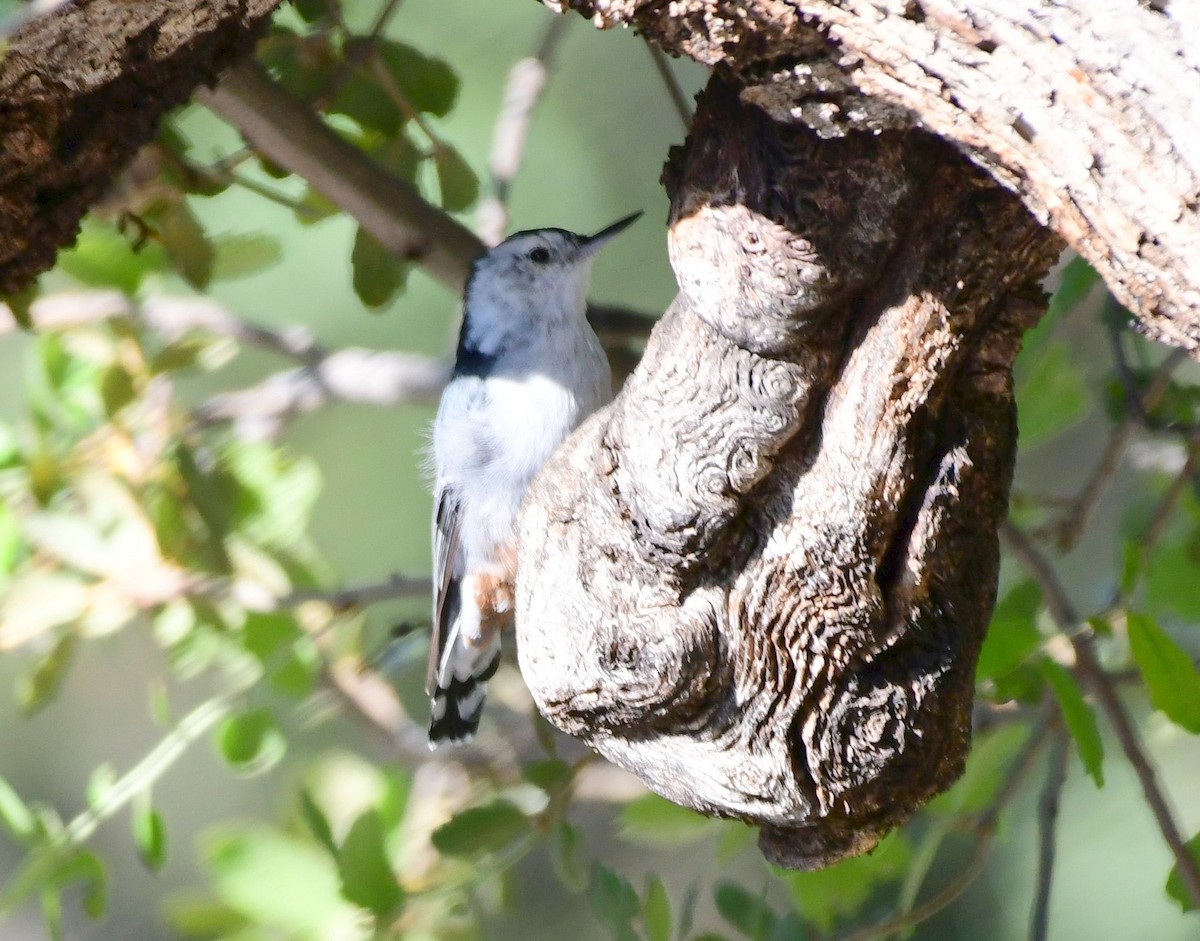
1086,109
81,90
760,579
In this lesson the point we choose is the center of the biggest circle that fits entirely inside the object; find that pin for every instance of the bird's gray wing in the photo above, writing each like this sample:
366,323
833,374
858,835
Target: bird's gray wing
447,576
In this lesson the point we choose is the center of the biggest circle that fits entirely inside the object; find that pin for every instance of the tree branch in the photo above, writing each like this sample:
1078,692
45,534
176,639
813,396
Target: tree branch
1086,110
1089,670
1056,775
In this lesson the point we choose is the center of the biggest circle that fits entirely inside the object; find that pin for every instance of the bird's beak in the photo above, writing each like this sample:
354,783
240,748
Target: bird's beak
589,245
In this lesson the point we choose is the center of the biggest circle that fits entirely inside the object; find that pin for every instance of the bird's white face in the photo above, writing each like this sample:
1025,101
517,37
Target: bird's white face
544,273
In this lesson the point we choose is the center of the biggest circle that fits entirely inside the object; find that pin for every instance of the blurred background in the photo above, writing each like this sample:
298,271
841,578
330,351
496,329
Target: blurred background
594,152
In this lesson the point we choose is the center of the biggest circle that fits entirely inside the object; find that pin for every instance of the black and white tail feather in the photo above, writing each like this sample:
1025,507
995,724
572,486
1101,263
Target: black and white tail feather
458,668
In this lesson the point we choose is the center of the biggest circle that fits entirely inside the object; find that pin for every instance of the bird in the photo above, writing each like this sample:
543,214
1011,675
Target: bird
528,369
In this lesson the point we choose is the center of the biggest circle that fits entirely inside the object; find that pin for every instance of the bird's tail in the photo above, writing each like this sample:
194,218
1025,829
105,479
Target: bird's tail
458,689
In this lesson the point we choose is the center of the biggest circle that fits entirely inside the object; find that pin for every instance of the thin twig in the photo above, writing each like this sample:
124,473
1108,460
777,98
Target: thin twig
1165,510
678,99
1089,670
1056,775
985,830
523,90
1069,529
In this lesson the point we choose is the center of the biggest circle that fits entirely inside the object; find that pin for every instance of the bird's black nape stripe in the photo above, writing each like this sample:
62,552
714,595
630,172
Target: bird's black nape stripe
471,361
454,726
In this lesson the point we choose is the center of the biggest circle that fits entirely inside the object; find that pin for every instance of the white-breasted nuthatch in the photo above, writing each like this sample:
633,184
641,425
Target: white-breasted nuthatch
529,369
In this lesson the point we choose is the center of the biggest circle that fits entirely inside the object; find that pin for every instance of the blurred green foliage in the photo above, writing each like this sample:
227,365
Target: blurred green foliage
122,512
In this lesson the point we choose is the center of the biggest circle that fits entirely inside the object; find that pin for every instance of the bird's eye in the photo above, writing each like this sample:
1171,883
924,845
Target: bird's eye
539,256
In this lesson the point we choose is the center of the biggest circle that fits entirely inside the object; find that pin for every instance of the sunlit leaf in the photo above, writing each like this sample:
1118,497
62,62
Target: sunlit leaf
378,275
458,182
1176,888
1170,673
241,254
149,835
277,881
15,815
1051,395
365,871
102,257
100,785
656,911
37,602
1079,718
479,830
614,901
655,821
84,868
251,741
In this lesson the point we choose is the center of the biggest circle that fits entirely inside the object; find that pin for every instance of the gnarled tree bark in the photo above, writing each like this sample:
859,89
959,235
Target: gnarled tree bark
81,90
1086,109
760,579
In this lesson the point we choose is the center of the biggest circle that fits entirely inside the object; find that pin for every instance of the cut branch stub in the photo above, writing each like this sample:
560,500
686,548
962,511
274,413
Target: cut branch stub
760,579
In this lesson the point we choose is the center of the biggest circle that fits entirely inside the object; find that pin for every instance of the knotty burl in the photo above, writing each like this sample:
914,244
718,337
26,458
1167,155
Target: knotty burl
760,579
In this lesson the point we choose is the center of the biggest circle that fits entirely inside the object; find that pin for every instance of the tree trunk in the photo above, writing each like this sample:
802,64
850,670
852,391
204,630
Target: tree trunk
1087,109
81,90
761,578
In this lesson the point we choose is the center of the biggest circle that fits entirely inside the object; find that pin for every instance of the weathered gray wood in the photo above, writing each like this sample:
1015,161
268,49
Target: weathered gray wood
760,579
1085,108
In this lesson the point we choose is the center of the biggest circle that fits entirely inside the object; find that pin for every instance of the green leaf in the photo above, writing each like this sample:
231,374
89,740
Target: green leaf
102,257
366,872
565,845
1171,676
1172,577
117,389
317,822
746,912
17,818
1012,635
614,901
276,881
149,835
823,895
86,868
363,101
40,686
251,742
458,182
1051,395
429,84
550,774
378,276
479,830
100,785
687,911
311,10
10,542
1080,720
240,254
1176,888
651,820
656,911
289,657
20,304
1075,283
186,244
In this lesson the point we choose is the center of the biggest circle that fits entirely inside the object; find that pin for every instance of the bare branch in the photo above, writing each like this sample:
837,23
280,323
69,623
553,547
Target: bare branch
1089,670
1161,517
362,376
523,90
293,136
1056,775
678,99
